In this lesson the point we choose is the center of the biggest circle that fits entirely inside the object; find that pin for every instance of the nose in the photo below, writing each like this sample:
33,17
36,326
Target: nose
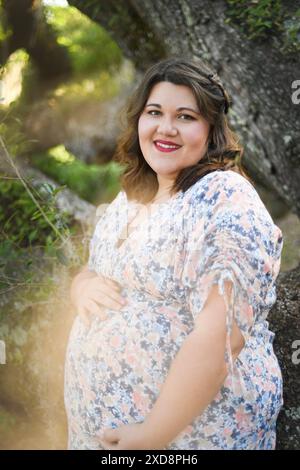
166,127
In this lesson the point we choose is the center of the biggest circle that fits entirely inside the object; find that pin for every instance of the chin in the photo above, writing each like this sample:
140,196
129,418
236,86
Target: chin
166,173
163,168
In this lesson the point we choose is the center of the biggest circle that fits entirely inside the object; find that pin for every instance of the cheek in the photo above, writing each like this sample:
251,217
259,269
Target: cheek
197,135
140,127
144,128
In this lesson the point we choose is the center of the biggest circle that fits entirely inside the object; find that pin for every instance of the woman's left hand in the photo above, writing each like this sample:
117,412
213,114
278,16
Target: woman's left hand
126,437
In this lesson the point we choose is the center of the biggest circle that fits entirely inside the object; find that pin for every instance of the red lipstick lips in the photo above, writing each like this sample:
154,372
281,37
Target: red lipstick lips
166,146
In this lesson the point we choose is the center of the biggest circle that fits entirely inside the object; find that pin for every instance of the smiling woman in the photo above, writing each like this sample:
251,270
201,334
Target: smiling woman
182,105
187,361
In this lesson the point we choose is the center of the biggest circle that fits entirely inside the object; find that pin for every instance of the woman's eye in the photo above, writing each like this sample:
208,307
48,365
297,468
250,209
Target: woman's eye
180,115
188,116
153,111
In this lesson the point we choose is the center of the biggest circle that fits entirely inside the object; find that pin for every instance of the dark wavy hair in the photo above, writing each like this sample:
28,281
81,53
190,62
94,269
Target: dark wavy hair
224,152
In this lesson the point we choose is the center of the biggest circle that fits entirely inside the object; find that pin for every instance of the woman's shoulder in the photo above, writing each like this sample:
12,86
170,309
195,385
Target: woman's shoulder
223,187
225,201
228,194
222,180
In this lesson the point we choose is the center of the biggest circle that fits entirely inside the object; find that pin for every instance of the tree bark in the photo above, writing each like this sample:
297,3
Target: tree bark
284,320
131,30
257,74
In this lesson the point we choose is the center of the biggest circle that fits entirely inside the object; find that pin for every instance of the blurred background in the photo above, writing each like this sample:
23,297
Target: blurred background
66,71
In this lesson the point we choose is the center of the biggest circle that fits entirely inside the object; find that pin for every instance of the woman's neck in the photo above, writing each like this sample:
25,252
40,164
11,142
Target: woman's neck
161,195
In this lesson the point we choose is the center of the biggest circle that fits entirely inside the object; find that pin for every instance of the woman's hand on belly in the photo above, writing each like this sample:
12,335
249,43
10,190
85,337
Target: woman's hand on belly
91,293
127,437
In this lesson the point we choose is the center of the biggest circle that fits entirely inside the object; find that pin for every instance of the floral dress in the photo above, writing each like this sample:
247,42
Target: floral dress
217,230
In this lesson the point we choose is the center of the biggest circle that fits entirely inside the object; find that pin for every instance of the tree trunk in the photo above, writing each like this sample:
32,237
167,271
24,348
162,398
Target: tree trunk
284,320
26,27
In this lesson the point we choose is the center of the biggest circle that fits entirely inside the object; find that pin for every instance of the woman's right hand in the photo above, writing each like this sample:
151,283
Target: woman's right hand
91,293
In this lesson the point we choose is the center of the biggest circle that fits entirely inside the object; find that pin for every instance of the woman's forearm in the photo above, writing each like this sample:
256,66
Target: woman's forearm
195,377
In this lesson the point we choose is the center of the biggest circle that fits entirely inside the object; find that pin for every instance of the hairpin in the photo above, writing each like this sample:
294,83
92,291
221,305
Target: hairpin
213,78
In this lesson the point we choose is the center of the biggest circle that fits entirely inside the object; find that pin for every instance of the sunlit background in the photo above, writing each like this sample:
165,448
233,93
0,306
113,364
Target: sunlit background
62,134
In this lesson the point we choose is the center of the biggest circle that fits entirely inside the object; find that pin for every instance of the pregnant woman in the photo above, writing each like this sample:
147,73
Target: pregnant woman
171,347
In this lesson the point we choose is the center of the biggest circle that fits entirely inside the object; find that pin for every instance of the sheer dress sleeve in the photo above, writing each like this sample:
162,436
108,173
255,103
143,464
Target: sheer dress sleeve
231,237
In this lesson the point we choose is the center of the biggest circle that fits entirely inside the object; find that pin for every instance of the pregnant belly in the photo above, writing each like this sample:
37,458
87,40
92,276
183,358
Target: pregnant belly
115,368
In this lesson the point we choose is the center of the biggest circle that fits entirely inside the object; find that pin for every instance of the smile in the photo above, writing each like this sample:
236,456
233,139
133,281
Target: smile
165,148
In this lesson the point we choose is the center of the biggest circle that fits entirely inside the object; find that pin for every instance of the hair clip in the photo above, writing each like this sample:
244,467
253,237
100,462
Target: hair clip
213,78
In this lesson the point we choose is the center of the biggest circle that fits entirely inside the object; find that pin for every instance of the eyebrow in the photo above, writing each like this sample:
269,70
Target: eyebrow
178,109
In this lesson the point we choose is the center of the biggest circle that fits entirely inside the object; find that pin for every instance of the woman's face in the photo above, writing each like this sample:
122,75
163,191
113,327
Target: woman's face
162,120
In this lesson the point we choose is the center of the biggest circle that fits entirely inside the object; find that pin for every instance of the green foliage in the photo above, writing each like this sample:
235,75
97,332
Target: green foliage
292,33
96,60
261,18
26,223
90,47
258,18
22,222
90,182
34,236
13,136
4,31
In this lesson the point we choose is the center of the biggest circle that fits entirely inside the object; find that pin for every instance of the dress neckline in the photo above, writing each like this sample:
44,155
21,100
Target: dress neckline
121,243
134,208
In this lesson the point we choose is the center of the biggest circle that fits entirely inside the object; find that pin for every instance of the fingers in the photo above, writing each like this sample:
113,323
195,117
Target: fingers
113,284
104,300
96,309
98,294
109,298
90,307
109,281
108,293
